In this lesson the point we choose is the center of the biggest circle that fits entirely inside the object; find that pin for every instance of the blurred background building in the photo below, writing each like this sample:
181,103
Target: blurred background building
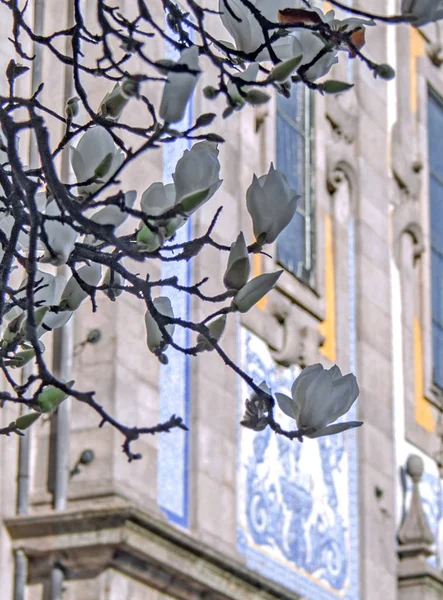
223,513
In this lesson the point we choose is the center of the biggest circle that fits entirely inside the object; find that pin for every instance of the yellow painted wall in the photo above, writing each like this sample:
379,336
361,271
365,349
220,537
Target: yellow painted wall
423,410
327,328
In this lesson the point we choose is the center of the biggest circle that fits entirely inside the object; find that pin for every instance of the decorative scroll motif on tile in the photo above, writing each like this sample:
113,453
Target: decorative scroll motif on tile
297,502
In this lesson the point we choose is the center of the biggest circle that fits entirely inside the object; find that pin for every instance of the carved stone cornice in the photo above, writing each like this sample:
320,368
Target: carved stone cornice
83,543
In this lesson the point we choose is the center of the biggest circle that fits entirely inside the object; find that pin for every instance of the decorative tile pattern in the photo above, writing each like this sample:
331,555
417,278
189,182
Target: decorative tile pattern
297,507
173,449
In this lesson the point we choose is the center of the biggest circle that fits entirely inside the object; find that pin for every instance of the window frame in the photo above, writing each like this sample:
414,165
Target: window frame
308,275
432,95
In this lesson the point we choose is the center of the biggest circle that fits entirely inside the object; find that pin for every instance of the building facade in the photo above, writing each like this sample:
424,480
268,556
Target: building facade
221,512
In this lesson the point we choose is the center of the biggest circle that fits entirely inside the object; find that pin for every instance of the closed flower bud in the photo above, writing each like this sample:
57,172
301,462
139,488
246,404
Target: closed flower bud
115,101
155,340
237,271
285,69
73,294
112,215
196,176
210,92
271,203
13,329
179,87
157,199
26,421
422,12
95,157
114,281
72,107
216,328
148,240
21,358
255,290
51,397
256,97
61,237
248,75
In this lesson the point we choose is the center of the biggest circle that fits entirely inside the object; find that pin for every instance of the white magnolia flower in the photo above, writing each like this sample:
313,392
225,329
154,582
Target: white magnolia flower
309,45
196,176
271,203
112,278
216,328
112,215
61,237
255,290
319,397
96,156
115,101
73,294
247,32
248,75
155,339
7,223
179,87
44,290
55,319
352,25
47,292
237,271
423,11
156,200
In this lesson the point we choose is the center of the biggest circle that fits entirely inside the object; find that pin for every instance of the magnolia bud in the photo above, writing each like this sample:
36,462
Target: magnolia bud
148,240
26,421
256,97
284,70
216,328
255,290
72,107
113,278
155,340
210,92
51,397
237,271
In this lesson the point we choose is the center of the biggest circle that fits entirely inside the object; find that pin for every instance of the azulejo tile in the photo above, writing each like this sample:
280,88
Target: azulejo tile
297,502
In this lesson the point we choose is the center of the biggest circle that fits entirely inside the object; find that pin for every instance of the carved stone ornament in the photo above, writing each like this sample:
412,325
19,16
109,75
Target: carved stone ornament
342,114
406,165
406,219
415,536
301,340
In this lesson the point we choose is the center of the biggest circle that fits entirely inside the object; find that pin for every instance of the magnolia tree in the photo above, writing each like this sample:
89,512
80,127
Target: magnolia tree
46,222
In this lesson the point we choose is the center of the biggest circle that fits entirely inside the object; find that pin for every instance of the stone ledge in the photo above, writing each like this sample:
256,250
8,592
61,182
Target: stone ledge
86,542
417,576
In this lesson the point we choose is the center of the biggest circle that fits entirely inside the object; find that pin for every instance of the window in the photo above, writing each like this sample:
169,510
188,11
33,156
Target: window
294,157
435,137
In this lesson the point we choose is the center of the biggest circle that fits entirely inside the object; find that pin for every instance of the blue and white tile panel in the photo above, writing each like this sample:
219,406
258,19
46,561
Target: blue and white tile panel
297,502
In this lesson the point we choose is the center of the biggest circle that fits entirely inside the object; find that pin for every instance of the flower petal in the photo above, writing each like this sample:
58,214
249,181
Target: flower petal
315,412
344,393
287,405
337,428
